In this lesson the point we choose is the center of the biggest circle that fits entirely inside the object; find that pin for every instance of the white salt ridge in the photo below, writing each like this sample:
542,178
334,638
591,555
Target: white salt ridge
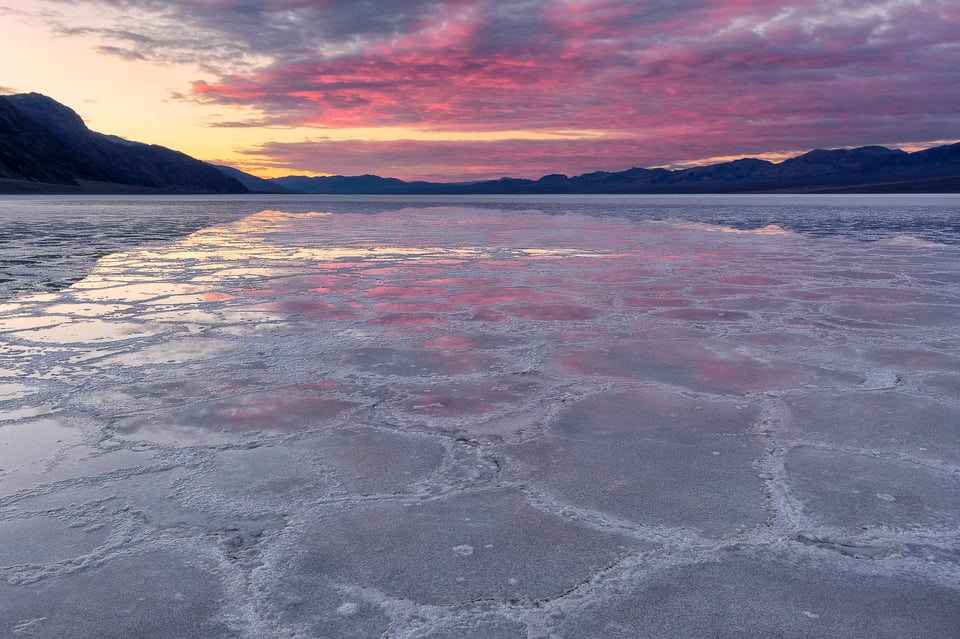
476,423
880,379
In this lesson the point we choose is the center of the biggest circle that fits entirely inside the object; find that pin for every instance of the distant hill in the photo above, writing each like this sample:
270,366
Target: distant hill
251,182
368,184
869,169
45,147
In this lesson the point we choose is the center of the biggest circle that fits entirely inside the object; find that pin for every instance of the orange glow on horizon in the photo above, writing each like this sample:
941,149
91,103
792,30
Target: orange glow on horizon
460,90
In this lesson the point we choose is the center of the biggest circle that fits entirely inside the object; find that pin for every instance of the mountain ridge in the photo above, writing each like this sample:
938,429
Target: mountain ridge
45,147
868,169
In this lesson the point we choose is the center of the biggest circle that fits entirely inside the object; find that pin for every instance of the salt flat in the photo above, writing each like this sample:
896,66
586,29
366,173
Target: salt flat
453,422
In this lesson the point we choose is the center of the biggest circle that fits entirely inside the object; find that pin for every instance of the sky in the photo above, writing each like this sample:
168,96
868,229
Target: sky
454,90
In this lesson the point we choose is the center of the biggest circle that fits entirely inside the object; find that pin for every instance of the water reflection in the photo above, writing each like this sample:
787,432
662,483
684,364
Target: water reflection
317,396
416,311
213,421
31,442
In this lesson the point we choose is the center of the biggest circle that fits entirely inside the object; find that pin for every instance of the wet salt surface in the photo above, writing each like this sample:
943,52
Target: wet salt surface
456,422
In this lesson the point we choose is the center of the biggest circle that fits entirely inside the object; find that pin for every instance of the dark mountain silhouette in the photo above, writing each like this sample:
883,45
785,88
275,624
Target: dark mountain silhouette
251,182
869,169
369,184
46,147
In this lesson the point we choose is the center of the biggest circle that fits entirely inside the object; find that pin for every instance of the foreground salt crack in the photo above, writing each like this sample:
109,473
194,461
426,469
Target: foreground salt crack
457,423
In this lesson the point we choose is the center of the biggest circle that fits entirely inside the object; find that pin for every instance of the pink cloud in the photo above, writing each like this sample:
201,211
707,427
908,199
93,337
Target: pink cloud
676,79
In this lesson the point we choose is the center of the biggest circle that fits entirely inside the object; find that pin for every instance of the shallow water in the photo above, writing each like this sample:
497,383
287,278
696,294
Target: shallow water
47,243
487,421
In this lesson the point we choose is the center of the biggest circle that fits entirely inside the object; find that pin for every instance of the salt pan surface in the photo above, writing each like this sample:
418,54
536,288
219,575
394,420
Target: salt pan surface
455,422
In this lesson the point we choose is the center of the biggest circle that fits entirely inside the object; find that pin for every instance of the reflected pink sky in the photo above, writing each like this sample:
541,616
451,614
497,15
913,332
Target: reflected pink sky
435,319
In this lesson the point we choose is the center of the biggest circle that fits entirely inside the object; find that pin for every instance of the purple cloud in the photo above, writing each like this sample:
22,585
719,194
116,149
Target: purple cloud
679,80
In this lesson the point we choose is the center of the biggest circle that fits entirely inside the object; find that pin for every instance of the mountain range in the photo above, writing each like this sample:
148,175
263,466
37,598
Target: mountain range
46,148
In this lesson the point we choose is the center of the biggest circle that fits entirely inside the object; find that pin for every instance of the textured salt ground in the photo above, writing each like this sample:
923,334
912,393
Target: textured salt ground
502,425
739,595
654,458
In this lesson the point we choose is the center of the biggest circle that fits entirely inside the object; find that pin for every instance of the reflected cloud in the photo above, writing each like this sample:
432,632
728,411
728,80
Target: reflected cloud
473,385
15,390
769,229
207,423
437,299
89,331
909,240
30,442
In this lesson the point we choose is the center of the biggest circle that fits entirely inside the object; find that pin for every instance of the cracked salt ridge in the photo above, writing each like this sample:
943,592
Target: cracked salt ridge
504,426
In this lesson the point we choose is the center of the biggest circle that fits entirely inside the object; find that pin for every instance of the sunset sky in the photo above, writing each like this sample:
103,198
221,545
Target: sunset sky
464,89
